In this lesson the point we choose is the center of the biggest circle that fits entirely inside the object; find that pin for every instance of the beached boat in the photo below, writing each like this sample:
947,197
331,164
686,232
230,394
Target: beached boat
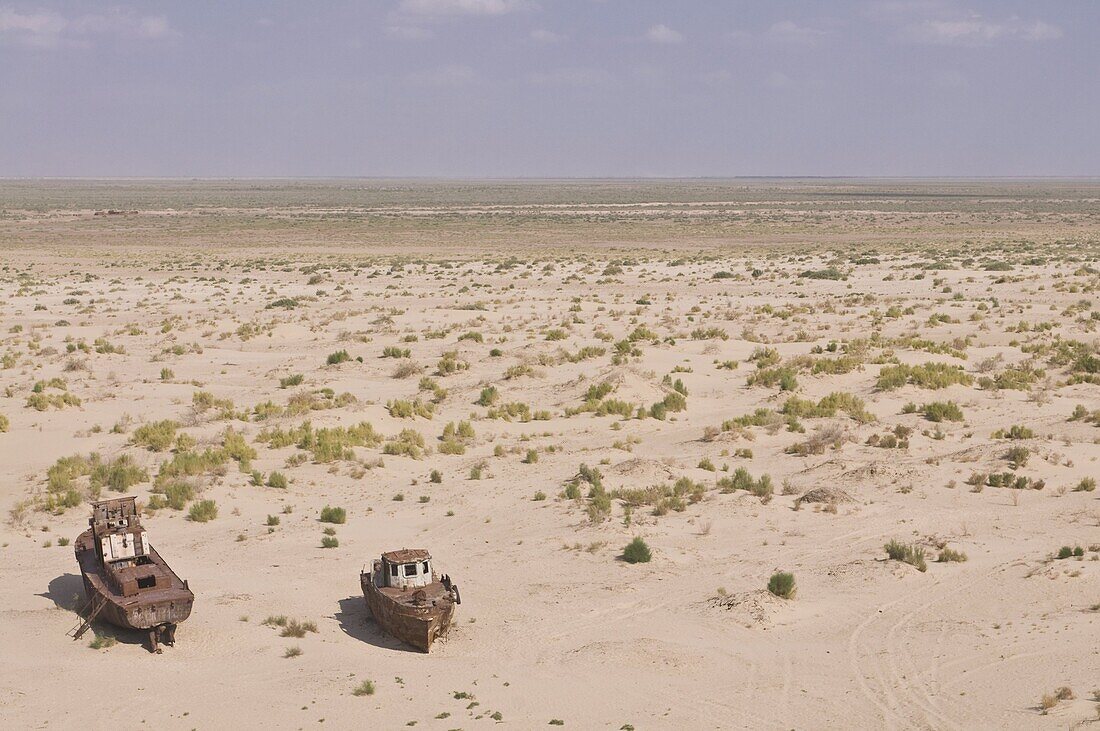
126,581
407,600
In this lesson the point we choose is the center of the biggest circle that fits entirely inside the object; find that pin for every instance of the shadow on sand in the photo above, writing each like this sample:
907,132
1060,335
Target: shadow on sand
67,592
355,620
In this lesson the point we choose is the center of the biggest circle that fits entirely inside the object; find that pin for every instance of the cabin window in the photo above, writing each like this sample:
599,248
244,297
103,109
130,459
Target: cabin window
393,569
146,582
410,569
426,571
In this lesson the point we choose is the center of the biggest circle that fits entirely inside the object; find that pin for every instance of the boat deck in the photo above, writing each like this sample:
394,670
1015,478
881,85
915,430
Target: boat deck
424,596
124,587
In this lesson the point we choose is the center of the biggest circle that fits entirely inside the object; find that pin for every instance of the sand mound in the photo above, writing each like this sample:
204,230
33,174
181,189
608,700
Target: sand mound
644,470
750,607
825,495
631,386
880,473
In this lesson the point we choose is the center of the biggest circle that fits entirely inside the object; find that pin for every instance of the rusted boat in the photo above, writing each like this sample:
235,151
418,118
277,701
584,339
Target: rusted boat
126,581
407,600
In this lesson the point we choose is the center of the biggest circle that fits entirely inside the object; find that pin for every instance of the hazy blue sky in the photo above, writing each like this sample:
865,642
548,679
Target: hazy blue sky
549,88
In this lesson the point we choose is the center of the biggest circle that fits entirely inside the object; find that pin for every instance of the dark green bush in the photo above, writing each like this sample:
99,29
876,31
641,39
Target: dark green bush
782,585
637,551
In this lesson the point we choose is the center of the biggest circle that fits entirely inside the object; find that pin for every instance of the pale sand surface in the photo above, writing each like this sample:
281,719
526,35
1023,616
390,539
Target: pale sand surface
553,624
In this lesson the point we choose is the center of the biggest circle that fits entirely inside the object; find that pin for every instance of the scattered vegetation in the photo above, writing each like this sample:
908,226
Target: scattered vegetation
911,554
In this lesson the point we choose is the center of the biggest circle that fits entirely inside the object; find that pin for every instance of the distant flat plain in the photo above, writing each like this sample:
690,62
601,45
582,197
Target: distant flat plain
752,375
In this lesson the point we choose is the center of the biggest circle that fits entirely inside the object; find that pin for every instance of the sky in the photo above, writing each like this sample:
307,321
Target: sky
549,88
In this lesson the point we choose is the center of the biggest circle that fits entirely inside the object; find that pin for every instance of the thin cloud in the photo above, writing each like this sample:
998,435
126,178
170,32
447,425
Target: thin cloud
462,7
661,33
778,80
975,30
451,75
50,29
541,35
783,32
571,77
787,31
409,32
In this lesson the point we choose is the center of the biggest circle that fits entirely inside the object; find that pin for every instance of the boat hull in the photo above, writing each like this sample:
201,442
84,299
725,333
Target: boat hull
147,610
418,626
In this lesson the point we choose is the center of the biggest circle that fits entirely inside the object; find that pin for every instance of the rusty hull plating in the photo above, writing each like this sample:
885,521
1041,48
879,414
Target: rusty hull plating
126,581
407,599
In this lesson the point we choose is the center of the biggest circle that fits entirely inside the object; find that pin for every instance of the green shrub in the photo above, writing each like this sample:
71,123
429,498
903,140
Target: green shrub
930,375
330,542
203,511
436,477
409,443
910,554
340,356
828,406
119,475
943,411
326,445
43,401
291,381
1014,379
1015,432
489,396
830,273
463,431
404,409
742,480
637,551
1087,484
450,363
364,688
291,627
4,424
333,515
948,555
178,493
60,475
674,401
782,585
452,446
100,642
237,449
277,480
1017,456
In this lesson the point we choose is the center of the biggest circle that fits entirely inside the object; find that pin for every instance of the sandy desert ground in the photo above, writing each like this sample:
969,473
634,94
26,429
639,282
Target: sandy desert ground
753,377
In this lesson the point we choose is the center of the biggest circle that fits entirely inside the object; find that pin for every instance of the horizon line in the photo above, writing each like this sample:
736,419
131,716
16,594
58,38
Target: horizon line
597,178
